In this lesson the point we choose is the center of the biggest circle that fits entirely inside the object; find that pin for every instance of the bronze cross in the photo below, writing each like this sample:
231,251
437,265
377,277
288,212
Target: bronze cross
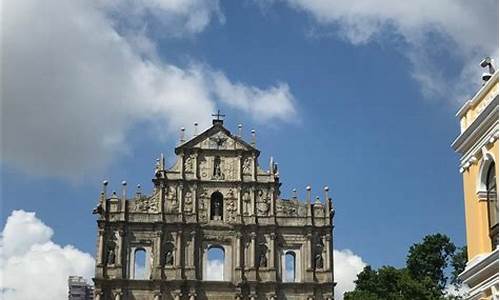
218,115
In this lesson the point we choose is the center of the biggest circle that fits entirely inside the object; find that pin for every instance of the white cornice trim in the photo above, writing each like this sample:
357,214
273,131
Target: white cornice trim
479,95
478,267
483,131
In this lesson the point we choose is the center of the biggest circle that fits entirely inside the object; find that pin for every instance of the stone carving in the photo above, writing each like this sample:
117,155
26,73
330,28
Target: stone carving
169,254
148,204
287,208
188,202
203,167
247,203
263,204
217,173
218,141
172,203
318,252
110,251
262,255
247,165
231,210
188,164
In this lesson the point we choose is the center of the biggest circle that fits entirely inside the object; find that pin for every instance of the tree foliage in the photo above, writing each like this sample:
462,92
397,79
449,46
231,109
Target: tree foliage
423,278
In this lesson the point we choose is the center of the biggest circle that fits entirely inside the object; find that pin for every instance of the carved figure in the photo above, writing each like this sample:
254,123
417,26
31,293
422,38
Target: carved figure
217,174
247,199
247,165
263,204
188,164
172,199
110,256
318,250
188,201
169,254
262,258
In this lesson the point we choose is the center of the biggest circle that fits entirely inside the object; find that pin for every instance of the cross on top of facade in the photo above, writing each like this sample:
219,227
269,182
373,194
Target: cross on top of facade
218,115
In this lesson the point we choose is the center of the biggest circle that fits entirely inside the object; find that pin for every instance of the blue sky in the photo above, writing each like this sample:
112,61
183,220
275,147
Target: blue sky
360,99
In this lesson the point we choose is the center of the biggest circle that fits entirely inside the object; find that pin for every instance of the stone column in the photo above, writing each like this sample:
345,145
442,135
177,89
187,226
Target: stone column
308,254
252,250
156,253
273,201
100,247
194,197
237,251
195,166
180,196
157,296
178,249
326,241
240,167
120,252
272,254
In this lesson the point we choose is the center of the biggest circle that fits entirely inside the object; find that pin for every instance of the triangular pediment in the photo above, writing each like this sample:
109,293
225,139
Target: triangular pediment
216,138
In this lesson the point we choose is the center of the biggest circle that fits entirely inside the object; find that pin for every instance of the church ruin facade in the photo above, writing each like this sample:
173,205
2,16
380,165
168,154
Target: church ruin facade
215,197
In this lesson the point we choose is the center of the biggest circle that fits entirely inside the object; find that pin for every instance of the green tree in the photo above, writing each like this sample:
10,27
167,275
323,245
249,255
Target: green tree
423,278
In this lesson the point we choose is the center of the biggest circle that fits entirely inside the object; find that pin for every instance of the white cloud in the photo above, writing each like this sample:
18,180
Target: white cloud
33,266
460,291
215,270
347,265
76,80
431,30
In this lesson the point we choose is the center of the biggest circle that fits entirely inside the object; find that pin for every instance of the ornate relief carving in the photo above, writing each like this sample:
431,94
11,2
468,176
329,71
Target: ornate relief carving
203,168
287,208
148,204
263,202
218,141
188,202
229,169
203,205
189,164
247,165
231,206
172,201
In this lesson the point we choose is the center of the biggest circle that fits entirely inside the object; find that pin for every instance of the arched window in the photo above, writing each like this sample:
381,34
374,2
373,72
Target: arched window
290,271
491,189
216,206
140,268
215,263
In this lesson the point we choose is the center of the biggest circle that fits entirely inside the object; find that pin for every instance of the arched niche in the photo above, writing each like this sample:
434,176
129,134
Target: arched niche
216,206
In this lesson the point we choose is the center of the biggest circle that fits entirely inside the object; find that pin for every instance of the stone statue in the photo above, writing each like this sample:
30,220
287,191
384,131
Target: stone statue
263,204
217,169
169,255
247,199
262,259
247,165
318,261
110,257
318,249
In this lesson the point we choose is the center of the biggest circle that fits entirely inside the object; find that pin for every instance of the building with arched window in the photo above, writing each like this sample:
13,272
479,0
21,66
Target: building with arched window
477,145
215,227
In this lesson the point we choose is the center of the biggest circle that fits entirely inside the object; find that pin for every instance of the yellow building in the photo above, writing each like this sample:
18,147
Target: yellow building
477,145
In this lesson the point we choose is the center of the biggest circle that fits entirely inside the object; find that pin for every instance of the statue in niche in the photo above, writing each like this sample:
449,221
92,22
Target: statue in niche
110,255
318,257
247,202
188,201
262,256
247,165
169,254
217,174
172,199
263,203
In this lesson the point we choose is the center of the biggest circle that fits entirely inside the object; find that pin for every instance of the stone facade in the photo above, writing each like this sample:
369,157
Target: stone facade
215,196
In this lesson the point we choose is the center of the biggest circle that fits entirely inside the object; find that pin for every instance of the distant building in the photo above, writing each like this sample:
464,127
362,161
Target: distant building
477,145
216,198
79,289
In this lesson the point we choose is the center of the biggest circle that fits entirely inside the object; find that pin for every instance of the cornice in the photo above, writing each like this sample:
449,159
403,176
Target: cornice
479,95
